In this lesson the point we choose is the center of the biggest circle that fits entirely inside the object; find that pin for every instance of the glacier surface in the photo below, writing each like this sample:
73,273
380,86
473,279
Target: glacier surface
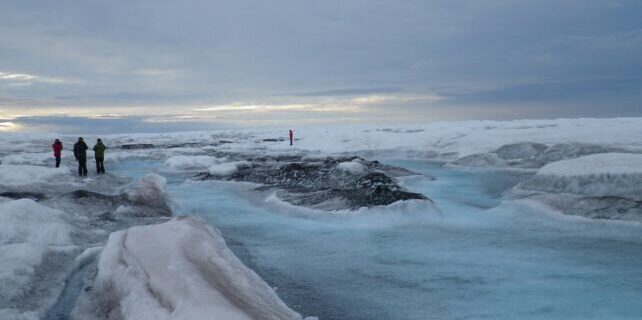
480,250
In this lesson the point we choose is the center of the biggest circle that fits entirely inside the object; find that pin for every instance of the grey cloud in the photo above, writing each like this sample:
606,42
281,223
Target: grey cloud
93,126
346,92
121,97
216,52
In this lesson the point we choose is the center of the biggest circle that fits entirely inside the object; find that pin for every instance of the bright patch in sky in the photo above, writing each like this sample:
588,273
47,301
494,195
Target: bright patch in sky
9,126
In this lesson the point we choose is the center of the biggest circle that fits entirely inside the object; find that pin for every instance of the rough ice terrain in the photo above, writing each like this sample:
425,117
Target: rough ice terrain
179,269
473,219
606,185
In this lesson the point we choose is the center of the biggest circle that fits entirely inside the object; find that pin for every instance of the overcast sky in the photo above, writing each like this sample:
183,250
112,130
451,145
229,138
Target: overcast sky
296,61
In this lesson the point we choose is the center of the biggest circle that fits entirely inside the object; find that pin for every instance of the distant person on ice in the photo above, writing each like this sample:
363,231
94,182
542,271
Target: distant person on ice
80,152
291,136
99,153
57,149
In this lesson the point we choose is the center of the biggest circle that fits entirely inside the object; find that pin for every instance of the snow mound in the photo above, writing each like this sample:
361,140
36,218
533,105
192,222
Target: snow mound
149,194
227,168
522,150
29,233
181,269
563,151
530,155
605,174
147,183
480,160
21,175
191,162
352,167
604,163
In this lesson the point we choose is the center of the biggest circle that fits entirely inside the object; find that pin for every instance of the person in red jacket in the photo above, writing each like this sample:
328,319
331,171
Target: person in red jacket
291,136
57,149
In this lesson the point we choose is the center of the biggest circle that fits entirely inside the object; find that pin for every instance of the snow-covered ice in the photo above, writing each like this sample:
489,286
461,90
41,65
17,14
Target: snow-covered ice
191,162
24,175
606,174
440,140
180,269
471,257
29,233
597,164
226,168
604,186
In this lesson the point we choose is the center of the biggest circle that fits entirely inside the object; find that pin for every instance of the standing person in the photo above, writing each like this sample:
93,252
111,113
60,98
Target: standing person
80,152
291,136
57,149
99,153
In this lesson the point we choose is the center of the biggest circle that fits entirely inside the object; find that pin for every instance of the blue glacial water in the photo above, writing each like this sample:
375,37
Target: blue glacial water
476,257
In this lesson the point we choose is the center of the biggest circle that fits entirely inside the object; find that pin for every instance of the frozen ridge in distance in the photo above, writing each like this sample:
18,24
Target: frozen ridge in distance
446,141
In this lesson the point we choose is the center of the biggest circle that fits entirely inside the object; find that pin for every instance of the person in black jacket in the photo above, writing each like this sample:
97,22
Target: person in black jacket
99,152
80,152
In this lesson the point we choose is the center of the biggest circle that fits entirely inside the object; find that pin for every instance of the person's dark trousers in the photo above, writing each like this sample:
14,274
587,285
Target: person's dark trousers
82,166
100,165
290,141
57,162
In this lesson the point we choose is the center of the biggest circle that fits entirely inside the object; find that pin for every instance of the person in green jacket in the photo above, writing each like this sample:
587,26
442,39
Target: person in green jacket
99,153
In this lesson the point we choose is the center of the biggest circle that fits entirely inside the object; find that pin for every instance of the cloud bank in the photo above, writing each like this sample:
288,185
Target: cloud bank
295,60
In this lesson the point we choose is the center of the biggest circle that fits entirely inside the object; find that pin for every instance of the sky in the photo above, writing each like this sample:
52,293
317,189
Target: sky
141,64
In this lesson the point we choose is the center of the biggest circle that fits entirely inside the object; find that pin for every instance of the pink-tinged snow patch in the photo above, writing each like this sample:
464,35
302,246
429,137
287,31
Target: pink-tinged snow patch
181,269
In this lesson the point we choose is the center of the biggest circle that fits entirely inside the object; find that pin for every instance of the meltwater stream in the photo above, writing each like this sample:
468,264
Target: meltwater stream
474,258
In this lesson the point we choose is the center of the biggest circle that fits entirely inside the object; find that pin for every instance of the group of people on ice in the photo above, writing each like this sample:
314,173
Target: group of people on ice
80,153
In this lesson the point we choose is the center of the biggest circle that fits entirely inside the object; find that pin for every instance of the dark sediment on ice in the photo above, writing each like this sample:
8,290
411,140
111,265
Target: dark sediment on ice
328,183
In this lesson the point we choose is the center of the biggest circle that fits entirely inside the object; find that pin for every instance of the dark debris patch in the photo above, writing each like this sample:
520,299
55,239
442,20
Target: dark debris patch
316,182
137,146
23,195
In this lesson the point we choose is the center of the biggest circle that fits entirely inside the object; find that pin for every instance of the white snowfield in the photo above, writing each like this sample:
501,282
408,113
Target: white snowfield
438,140
40,158
181,269
28,232
596,164
191,162
605,174
23,175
